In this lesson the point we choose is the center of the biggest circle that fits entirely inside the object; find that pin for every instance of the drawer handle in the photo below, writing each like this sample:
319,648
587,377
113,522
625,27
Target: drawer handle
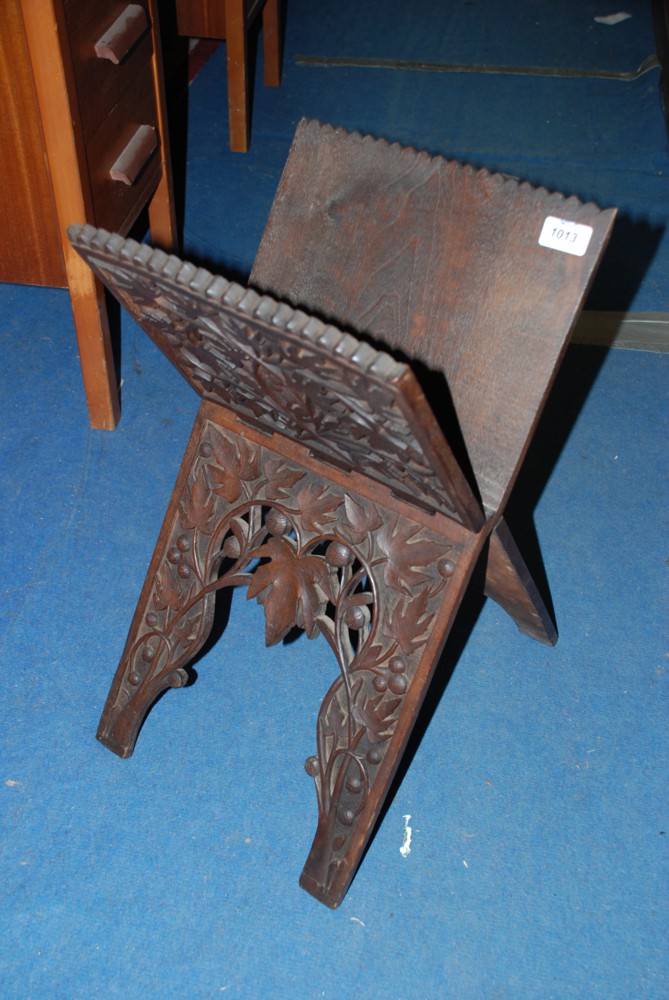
123,35
135,156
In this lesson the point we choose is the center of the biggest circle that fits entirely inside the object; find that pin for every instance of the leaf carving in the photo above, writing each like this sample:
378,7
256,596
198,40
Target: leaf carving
334,719
408,555
317,506
197,509
294,590
167,593
280,479
408,623
362,519
376,716
237,463
187,632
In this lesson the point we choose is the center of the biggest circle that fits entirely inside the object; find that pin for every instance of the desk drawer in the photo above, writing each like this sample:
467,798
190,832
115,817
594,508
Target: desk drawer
100,81
116,204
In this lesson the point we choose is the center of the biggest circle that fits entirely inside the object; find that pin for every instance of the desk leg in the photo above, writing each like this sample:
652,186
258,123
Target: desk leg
162,210
238,84
271,29
92,328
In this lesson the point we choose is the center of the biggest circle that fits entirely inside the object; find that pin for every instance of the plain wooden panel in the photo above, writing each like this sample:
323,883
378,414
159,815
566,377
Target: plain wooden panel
30,248
442,263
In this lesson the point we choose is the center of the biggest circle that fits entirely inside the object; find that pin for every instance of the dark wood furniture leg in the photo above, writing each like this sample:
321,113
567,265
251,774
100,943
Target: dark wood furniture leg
509,583
271,27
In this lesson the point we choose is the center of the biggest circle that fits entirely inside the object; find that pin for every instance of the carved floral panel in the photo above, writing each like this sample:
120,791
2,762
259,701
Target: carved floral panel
368,580
283,371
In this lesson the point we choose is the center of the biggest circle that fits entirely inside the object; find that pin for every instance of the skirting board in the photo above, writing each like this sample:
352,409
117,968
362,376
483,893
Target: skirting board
631,331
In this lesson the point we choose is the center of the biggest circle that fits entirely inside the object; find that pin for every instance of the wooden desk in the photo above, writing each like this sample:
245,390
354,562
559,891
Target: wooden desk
83,138
232,20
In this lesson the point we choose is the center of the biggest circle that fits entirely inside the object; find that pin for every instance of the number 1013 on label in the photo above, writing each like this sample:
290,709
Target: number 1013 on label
568,237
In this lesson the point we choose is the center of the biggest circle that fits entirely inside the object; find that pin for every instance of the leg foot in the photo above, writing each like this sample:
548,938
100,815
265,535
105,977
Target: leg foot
508,582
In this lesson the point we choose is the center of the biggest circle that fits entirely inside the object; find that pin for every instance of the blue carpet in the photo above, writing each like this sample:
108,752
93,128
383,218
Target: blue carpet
538,790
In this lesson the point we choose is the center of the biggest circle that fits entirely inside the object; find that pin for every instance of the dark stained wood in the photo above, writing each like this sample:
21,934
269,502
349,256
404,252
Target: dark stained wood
284,371
200,19
87,24
440,280
317,474
115,202
272,37
125,32
509,583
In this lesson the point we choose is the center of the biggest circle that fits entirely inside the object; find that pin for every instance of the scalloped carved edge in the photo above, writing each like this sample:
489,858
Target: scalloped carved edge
308,126
227,293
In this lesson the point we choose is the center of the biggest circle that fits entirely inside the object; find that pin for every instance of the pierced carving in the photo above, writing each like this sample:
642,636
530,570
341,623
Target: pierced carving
317,558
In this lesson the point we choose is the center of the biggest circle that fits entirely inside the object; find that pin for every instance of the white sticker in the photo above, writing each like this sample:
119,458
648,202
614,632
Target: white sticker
405,849
612,19
569,237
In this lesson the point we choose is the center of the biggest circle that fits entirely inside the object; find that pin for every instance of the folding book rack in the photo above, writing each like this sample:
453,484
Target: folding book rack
317,474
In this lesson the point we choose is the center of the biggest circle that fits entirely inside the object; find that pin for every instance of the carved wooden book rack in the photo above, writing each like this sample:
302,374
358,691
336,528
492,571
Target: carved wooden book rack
318,475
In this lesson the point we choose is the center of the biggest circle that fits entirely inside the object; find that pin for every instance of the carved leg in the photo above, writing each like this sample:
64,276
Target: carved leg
508,582
378,580
219,523
417,578
169,625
